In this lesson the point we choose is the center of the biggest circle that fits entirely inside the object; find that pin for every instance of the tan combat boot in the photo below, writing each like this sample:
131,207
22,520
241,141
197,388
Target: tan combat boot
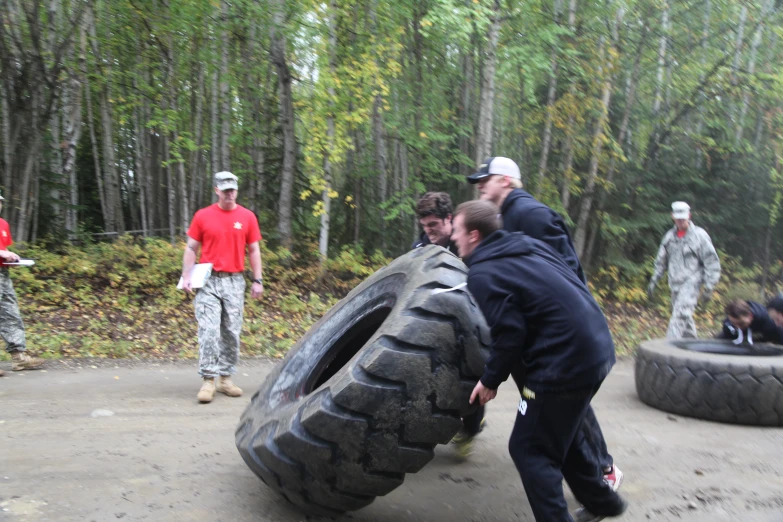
228,387
22,361
207,391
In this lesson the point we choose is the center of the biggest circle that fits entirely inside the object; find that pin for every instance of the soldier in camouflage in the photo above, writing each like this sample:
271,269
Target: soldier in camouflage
687,252
224,232
11,325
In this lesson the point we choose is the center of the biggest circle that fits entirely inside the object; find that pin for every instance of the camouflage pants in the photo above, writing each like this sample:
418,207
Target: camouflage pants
11,325
684,301
219,306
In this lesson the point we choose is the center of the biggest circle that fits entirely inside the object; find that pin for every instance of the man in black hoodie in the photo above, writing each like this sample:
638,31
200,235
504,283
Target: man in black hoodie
549,334
748,322
500,182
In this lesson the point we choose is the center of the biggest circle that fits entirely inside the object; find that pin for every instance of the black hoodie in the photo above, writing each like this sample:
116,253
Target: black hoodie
523,213
424,240
762,329
547,330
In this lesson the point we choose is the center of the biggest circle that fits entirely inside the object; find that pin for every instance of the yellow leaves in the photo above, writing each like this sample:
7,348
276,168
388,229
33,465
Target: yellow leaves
305,194
348,198
426,23
423,135
332,193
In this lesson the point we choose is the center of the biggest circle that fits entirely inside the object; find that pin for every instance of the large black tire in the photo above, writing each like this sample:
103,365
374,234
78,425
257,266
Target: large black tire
713,379
371,388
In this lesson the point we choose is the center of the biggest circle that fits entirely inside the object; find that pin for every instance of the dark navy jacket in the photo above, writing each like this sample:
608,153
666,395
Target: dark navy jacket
424,241
547,330
523,213
762,328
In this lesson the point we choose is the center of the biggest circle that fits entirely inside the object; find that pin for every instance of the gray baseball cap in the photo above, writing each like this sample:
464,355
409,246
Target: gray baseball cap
226,181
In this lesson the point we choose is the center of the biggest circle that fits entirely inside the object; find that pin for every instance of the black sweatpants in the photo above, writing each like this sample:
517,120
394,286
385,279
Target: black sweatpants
593,440
547,445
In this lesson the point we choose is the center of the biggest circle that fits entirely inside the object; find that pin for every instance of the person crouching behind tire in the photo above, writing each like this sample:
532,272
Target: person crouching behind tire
223,231
748,322
434,211
549,334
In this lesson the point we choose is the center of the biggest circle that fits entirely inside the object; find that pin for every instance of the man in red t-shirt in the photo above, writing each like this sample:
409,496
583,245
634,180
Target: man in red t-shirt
11,325
223,231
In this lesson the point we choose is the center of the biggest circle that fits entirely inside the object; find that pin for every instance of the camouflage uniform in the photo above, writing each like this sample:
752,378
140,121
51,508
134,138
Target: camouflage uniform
219,310
691,261
11,325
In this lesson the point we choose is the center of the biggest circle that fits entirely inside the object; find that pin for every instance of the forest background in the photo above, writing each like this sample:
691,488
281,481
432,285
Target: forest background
338,115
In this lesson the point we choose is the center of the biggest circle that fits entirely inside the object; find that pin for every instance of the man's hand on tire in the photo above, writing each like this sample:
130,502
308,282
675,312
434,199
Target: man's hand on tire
482,393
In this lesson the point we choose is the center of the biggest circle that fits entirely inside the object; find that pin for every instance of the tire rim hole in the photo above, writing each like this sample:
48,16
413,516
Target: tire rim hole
727,348
348,345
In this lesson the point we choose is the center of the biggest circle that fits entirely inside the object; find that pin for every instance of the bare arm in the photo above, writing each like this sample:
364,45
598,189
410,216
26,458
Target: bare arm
254,252
188,260
8,256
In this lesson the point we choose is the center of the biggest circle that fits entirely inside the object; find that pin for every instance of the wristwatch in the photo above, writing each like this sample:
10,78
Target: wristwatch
259,281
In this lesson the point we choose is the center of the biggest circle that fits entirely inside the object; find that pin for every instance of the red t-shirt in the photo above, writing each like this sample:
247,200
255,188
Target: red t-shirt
223,235
5,235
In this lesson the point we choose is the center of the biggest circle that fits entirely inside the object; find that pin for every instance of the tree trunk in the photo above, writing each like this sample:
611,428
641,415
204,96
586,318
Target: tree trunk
95,153
751,70
169,188
359,145
550,103
568,149
466,103
326,199
705,33
487,97
196,176
225,97
140,171
605,70
215,124
278,51
73,131
659,86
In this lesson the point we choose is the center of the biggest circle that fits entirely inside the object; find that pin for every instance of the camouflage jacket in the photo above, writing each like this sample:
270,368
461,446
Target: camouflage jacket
690,259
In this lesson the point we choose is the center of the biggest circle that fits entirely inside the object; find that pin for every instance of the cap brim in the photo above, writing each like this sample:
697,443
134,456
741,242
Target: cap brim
680,215
228,186
478,176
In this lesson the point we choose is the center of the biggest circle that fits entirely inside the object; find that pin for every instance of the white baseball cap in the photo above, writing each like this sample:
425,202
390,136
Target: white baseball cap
681,210
496,166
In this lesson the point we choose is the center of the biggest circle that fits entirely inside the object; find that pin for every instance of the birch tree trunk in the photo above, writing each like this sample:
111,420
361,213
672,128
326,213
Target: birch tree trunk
568,164
323,243
487,97
73,131
757,37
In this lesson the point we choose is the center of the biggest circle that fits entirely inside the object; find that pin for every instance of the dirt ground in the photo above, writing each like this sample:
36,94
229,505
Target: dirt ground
105,440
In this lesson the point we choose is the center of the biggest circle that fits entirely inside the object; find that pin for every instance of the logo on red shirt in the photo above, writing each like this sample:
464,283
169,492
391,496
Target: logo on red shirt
238,225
